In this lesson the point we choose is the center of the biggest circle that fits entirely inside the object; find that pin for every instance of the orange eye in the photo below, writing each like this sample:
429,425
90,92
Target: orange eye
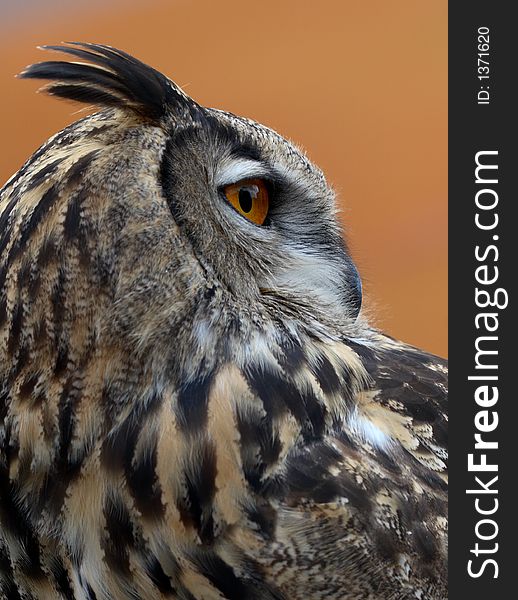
250,198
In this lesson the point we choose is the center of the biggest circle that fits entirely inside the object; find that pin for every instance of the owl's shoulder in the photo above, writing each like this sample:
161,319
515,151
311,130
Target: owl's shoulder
373,491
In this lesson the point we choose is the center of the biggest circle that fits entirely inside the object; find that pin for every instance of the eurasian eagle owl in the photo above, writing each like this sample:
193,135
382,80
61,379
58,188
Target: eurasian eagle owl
192,405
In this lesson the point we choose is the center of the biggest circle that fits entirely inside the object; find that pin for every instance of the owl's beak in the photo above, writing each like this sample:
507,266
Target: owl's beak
355,290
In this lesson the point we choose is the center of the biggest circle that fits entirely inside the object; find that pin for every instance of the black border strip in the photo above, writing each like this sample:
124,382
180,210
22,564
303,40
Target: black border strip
473,128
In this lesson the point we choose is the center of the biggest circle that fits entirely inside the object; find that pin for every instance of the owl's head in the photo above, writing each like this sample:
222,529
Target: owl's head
201,219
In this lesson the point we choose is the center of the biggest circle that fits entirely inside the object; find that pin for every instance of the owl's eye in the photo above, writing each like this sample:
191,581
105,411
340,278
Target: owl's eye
250,198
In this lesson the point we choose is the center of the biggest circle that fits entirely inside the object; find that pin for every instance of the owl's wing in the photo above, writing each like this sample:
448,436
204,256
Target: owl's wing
409,398
365,511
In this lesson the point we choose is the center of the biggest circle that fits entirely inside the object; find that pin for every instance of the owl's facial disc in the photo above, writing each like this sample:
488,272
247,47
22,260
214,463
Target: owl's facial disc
330,278
261,219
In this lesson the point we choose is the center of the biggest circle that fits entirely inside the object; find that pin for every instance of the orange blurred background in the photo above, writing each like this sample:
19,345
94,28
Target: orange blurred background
361,86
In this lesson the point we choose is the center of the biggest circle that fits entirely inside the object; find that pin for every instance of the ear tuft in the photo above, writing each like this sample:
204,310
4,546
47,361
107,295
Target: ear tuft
111,78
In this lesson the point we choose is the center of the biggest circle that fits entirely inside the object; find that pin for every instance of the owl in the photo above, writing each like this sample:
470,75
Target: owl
192,404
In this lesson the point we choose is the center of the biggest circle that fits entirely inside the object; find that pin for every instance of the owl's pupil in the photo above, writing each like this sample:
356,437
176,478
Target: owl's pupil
245,200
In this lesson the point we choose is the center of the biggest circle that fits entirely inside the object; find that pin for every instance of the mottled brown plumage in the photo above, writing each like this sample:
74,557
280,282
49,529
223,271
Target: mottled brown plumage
192,406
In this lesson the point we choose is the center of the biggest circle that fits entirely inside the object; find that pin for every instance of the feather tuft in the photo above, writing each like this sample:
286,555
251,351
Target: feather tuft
111,78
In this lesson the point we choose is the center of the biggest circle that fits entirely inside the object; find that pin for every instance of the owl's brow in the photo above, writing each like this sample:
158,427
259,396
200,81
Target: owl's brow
233,169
